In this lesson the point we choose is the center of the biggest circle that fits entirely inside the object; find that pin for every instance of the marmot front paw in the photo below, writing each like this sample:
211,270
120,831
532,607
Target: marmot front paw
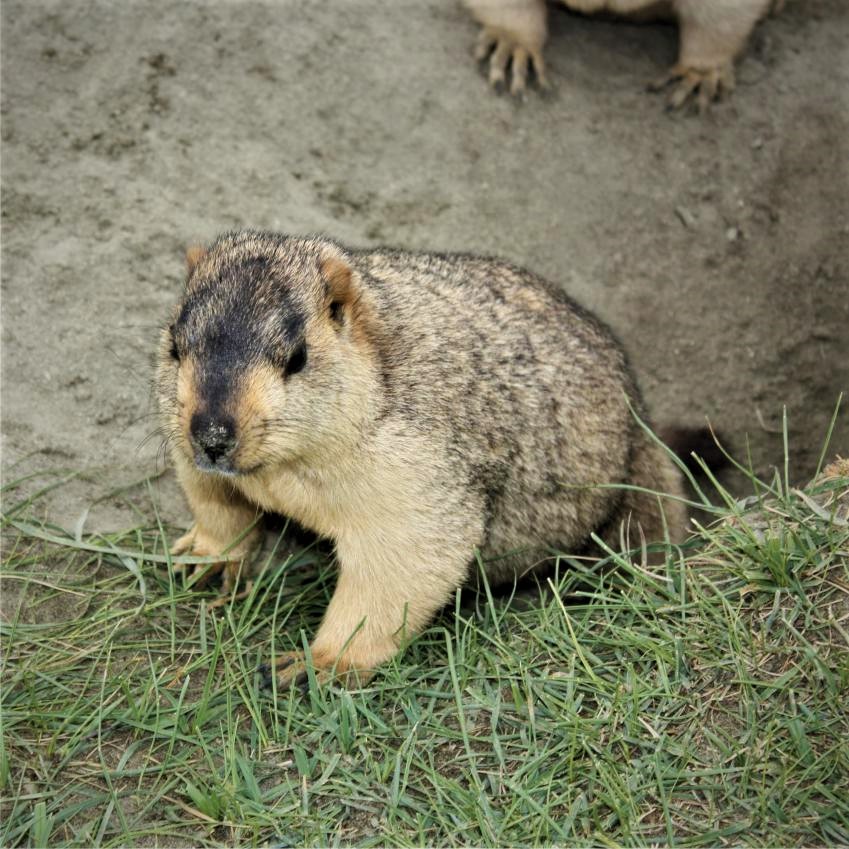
506,48
704,84
232,563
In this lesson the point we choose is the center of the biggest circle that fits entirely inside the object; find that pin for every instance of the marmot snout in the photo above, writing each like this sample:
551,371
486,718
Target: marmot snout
415,409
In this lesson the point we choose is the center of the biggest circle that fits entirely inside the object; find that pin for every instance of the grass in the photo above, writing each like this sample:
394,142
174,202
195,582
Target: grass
699,703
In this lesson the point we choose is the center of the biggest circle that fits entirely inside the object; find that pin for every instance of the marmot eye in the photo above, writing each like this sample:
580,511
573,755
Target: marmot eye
173,352
336,311
297,361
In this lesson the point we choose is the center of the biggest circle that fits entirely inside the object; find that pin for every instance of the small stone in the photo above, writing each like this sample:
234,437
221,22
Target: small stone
687,217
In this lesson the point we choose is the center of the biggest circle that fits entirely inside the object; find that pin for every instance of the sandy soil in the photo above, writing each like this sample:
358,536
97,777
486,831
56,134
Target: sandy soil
717,247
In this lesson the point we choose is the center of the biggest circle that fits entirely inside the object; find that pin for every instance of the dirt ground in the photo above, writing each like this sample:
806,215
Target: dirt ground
716,247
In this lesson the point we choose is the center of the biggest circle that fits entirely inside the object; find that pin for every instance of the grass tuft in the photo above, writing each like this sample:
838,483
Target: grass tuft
701,702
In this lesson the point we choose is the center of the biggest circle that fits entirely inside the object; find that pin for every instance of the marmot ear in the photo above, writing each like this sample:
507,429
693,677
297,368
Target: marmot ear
348,302
194,255
341,287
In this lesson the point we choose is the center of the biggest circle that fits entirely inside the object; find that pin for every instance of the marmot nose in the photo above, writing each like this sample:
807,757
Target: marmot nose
216,437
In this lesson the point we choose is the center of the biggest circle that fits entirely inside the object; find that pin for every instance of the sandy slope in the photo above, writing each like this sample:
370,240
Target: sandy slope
718,248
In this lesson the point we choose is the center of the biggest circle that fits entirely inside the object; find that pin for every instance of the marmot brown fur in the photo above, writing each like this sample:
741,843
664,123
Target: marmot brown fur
414,408
711,34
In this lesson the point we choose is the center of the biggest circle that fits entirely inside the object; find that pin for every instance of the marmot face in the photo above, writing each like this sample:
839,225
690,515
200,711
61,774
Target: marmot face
266,361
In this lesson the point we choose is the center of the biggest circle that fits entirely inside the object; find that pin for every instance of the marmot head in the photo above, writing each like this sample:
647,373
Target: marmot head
269,358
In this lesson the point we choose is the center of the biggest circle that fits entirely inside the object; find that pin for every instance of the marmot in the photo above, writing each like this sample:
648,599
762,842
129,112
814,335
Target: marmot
711,34
415,408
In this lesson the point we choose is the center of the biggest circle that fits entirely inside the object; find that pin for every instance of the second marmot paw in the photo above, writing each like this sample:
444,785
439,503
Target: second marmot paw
705,85
289,668
503,50
292,668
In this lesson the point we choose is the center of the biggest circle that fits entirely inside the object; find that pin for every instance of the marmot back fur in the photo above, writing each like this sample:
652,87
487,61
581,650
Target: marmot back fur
414,408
